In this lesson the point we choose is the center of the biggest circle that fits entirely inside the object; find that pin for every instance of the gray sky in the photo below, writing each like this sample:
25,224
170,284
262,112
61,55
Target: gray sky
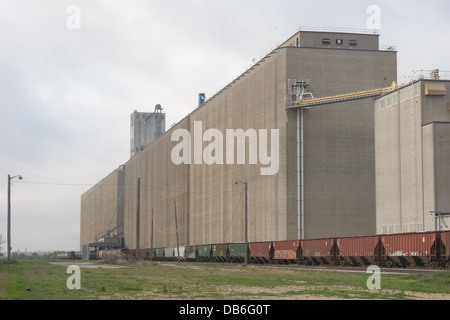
66,95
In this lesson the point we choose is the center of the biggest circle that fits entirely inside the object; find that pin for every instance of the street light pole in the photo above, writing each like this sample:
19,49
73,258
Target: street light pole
245,221
9,214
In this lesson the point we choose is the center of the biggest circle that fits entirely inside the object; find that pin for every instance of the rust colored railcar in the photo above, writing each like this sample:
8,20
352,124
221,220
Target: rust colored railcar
443,250
318,251
286,251
358,251
261,252
416,249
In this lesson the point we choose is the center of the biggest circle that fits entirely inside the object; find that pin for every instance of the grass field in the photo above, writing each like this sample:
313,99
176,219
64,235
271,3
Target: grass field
42,280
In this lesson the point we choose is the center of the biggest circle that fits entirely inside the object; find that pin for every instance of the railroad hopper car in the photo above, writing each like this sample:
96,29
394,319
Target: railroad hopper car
261,252
175,253
444,249
318,251
286,252
230,252
219,252
204,252
358,251
190,253
160,254
236,252
418,249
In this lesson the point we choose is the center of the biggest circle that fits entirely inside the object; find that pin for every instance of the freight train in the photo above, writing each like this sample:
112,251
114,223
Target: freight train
71,255
427,249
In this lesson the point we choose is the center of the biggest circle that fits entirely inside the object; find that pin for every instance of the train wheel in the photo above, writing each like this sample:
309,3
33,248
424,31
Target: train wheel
434,265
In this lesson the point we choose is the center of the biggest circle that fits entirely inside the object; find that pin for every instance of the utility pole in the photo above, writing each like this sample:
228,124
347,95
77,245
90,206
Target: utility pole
138,199
245,222
246,226
151,245
9,214
176,229
9,218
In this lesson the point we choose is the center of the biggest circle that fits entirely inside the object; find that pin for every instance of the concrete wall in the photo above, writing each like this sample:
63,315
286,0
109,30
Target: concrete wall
102,207
406,155
315,39
255,101
436,139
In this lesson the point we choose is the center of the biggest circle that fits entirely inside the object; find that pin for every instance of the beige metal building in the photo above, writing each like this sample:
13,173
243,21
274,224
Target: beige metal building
412,129
324,184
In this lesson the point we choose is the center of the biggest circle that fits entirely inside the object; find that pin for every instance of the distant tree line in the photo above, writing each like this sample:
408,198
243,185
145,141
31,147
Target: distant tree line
34,255
28,255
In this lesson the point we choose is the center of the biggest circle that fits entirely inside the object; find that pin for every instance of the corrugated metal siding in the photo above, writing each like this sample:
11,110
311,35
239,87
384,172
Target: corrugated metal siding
204,252
236,249
220,251
190,253
445,239
357,246
160,253
409,244
169,253
261,250
317,248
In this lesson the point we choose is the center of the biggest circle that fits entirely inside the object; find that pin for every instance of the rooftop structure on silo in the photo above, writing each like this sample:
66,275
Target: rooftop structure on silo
145,128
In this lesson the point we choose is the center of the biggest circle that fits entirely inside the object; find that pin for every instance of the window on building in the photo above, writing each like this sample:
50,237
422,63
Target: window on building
395,98
326,41
417,90
389,102
339,42
353,43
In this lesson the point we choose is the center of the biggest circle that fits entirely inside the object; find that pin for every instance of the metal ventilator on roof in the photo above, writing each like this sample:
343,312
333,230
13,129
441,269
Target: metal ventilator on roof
310,102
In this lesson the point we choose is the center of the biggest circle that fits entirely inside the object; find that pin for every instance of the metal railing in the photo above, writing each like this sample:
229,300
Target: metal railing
339,30
388,48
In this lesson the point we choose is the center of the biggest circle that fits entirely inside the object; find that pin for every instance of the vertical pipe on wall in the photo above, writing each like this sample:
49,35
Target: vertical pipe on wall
300,175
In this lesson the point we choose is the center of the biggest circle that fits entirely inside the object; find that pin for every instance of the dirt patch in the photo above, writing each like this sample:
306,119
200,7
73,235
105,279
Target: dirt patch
293,292
428,296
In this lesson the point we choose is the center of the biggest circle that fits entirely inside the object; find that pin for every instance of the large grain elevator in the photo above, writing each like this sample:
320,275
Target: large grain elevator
324,184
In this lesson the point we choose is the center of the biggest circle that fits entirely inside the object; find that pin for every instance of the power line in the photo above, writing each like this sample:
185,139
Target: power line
57,183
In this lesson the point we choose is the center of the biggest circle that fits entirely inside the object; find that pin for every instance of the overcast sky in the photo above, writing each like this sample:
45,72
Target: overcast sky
67,94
